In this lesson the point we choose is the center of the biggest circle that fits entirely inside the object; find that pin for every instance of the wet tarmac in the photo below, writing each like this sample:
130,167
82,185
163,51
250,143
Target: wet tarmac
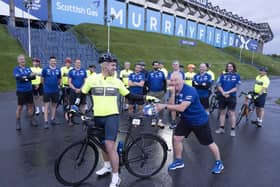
251,158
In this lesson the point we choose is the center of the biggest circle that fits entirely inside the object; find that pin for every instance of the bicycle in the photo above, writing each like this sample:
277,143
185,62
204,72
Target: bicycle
64,98
143,155
214,103
247,108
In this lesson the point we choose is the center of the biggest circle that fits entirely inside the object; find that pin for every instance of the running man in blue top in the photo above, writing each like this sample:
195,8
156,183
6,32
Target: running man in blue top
51,77
228,84
136,81
24,91
76,79
193,119
202,81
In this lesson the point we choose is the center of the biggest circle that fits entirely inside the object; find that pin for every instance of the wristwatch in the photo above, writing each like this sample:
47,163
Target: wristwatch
165,107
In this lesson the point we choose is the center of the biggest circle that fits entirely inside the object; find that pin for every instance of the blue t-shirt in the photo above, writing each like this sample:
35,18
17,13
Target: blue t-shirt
20,72
52,78
195,114
228,81
202,83
156,81
78,77
169,75
136,77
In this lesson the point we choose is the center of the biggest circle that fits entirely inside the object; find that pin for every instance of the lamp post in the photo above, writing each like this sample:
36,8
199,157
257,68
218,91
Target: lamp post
28,5
109,20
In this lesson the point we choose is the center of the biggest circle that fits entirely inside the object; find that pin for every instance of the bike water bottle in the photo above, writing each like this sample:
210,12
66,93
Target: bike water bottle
120,147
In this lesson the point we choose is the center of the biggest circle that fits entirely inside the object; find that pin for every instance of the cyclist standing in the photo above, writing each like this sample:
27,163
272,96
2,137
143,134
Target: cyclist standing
228,84
190,74
23,76
260,91
76,79
202,82
37,86
51,77
124,74
64,81
163,69
91,70
193,119
105,88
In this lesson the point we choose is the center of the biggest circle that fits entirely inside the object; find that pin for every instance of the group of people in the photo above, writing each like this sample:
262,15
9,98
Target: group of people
188,96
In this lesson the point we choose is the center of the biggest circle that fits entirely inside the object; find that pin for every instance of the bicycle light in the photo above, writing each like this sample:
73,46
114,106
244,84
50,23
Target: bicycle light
149,110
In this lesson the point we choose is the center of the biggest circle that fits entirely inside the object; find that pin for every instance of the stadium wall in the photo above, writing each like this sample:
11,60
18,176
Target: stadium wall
159,16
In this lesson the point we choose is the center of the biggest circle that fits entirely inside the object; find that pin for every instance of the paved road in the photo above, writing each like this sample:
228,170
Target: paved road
251,158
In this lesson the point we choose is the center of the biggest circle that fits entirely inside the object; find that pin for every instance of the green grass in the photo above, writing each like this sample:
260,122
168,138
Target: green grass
9,50
131,45
278,101
259,59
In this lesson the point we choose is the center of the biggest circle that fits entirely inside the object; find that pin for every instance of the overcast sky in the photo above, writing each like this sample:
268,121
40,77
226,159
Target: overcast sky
258,11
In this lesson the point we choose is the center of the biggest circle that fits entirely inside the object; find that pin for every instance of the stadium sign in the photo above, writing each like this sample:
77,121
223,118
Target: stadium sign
4,8
75,12
38,10
186,42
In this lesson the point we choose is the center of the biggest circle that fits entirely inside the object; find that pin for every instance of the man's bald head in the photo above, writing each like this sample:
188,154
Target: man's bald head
176,80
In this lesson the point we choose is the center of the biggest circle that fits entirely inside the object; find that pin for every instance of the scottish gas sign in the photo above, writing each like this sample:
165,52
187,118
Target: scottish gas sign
75,11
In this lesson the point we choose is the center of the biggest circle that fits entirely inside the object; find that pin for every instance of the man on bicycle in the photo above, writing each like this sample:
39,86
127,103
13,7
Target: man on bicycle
260,92
193,119
104,88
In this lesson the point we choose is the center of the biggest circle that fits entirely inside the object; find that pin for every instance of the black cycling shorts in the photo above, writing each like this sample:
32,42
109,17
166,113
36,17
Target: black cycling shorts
110,125
229,103
51,97
205,102
74,96
202,132
135,102
37,90
260,101
24,98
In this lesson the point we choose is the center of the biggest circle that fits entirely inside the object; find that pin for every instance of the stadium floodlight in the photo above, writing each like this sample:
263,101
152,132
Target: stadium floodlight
28,5
109,20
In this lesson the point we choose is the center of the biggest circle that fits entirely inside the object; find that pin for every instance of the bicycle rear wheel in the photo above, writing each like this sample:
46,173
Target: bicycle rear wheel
146,156
213,104
76,163
241,114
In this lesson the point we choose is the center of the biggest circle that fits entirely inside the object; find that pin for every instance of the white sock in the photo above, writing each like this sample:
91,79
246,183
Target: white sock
43,109
107,164
259,120
115,177
37,109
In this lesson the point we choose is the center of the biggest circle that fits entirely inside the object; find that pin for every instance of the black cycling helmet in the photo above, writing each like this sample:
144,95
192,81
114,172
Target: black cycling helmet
264,68
106,57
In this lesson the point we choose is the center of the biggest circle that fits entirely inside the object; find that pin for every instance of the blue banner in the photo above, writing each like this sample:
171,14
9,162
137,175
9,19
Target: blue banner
118,10
210,35
167,24
231,39
201,32
153,21
186,42
180,29
136,17
75,11
218,37
4,8
246,43
253,45
191,29
38,10
225,39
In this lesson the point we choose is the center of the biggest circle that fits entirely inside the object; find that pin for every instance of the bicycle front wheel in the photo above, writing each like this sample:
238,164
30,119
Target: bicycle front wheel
241,114
213,103
146,156
76,163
